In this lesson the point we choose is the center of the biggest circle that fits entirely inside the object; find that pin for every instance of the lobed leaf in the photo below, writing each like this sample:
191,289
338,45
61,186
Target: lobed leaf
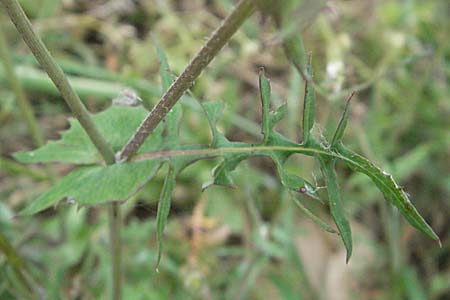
95,185
117,124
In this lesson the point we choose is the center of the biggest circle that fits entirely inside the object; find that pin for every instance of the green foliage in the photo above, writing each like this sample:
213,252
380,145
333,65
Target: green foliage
335,203
95,185
247,243
117,124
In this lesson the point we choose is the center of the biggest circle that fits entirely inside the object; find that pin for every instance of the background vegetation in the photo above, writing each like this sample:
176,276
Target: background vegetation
250,242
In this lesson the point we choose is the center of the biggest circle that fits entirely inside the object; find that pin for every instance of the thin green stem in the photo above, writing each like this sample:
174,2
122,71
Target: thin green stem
212,152
206,54
116,250
80,112
24,105
48,63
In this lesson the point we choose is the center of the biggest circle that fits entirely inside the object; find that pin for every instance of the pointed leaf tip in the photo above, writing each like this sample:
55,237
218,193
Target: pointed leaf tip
261,71
388,187
339,133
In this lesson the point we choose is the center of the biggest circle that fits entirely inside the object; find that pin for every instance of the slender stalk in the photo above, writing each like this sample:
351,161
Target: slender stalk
27,114
80,112
22,101
206,54
58,77
116,251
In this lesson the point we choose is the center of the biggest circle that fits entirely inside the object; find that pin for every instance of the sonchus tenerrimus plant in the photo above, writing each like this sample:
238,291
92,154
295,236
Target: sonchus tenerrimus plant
120,149
93,184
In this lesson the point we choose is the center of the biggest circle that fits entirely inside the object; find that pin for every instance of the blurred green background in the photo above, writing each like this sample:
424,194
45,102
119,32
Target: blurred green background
251,242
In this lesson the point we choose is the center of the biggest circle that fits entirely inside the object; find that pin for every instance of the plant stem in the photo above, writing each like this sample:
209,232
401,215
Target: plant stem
116,255
80,112
22,101
56,74
206,54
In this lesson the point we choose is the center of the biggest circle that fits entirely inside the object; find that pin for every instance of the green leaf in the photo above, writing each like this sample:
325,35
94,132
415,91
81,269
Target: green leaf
290,181
164,209
390,189
221,173
339,133
278,115
309,108
335,202
264,89
117,124
95,185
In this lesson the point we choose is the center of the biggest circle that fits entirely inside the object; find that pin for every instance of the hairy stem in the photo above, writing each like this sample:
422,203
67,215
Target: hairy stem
206,54
80,112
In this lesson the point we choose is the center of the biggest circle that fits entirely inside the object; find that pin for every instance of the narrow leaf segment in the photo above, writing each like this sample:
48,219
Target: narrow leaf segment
339,133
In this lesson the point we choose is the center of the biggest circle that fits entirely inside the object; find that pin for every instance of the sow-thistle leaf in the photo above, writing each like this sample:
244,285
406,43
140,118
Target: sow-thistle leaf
95,185
335,202
117,124
164,209
339,133
390,189
264,89
221,173
309,108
